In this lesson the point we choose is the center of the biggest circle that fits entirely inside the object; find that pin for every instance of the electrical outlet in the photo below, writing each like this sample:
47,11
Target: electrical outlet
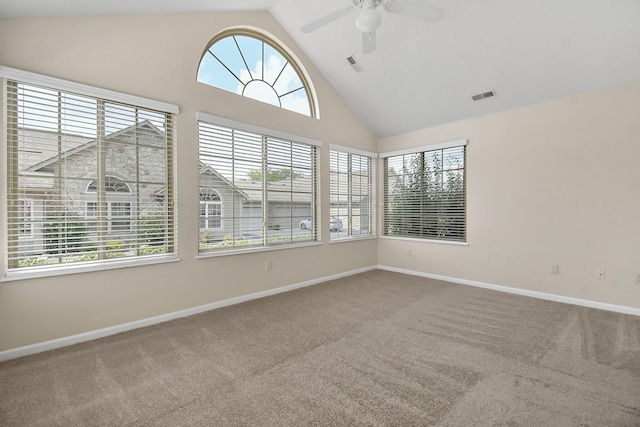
555,269
410,252
637,282
268,266
600,273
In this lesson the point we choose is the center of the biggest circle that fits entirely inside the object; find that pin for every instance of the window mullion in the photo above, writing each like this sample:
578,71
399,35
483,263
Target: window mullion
424,192
314,186
265,189
11,90
169,218
134,211
349,194
59,213
101,179
370,196
244,60
263,61
234,213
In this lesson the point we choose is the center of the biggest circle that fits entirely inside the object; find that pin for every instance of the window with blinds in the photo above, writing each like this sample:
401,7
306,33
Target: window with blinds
425,193
264,185
89,179
352,200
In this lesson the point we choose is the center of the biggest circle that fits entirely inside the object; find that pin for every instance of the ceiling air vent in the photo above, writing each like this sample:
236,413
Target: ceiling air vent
483,95
354,64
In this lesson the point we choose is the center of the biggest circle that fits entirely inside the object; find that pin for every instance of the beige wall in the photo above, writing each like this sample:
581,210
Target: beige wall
553,183
157,56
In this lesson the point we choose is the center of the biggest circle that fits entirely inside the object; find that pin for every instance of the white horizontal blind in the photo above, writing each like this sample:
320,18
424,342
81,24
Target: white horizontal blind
265,187
351,182
89,180
425,195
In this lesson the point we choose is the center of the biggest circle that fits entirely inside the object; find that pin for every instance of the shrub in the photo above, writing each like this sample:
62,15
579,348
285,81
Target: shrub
206,236
115,245
63,233
152,226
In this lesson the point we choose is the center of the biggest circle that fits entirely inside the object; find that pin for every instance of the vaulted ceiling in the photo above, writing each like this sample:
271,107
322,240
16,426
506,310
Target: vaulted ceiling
422,74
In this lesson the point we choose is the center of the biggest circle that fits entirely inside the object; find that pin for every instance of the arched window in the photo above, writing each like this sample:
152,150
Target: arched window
112,184
251,64
210,209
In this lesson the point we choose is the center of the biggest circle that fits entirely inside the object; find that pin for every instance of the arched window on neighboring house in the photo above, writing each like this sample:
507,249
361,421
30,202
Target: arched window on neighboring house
118,212
210,209
252,64
112,184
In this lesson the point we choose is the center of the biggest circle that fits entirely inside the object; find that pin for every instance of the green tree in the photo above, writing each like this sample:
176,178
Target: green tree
426,198
273,175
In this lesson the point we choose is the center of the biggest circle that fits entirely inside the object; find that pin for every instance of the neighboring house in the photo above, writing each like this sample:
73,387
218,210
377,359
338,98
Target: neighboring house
127,188
225,209
228,210
218,198
288,202
36,186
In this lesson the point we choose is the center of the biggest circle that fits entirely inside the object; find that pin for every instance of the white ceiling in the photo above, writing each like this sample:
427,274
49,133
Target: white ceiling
422,74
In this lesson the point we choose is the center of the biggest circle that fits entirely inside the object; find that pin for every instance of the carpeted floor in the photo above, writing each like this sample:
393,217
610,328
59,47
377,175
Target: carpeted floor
378,349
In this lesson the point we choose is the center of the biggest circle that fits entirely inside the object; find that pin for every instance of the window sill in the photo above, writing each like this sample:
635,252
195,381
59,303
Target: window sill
35,273
352,239
416,239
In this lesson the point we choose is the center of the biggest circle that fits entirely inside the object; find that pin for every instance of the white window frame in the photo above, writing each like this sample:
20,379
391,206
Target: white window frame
8,272
264,133
254,76
424,150
350,217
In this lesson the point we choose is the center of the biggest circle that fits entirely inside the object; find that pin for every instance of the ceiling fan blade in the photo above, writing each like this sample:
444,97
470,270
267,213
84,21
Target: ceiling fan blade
368,42
314,25
415,10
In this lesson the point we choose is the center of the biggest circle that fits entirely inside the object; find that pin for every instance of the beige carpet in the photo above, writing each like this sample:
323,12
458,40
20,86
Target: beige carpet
374,349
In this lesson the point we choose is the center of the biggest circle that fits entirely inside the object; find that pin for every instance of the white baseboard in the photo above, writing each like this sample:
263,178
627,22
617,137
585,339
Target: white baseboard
112,330
28,350
524,292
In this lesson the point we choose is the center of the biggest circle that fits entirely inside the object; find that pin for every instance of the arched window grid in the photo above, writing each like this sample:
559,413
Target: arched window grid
209,195
112,184
268,41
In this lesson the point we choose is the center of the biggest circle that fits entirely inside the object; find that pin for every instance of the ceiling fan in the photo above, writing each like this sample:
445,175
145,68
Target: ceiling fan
369,18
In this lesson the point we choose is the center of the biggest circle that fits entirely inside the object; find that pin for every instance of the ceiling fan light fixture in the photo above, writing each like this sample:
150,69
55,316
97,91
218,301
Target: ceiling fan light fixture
368,20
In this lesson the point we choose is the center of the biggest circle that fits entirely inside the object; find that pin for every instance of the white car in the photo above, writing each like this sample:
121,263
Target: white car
334,225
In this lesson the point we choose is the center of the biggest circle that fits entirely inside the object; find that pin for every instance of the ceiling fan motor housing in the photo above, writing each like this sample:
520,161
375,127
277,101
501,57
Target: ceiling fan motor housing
369,19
